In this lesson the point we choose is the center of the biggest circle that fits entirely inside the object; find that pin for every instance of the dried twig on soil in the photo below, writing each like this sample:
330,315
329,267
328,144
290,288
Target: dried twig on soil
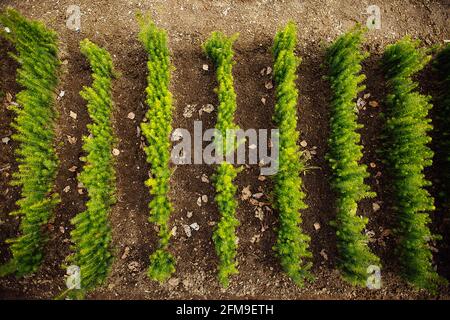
343,59
37,53
157,132
407,154
292,244
91,236
219,48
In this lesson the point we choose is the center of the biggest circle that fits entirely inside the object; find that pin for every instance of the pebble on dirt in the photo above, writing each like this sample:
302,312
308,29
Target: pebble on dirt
73,115
187,230
246,193
72,140
189,110
195,226
204,178
373,104
375,206
125,254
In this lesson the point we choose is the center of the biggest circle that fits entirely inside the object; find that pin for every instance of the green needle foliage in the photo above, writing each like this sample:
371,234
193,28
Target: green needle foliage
407,154
91,236
344,59
292,244
157,132
37,54
442,107
220,49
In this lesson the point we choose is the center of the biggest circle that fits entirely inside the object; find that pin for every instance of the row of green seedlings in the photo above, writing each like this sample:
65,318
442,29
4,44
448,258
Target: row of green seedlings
92,236
407,154
156,129
37,54
220,49
292,244
343,60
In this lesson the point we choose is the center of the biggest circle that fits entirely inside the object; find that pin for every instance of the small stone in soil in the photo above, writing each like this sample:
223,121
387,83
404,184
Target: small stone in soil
115,152
268,85
72,114
303,143
373,104
195,226
72,140
375,207
173,282
208,108
246,193
263,100
204,178
66,189
125,254
259,213
189,110
6,140
317,226
205,67
131,115
360,102
134,266
187,230
258,195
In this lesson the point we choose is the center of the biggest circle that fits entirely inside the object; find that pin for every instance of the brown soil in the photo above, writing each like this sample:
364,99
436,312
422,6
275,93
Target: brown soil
112,25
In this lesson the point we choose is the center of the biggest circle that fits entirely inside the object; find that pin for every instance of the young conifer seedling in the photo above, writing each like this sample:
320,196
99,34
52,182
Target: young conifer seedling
37,54
343,59
157,131
91,236
407,154
292,246
220,49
